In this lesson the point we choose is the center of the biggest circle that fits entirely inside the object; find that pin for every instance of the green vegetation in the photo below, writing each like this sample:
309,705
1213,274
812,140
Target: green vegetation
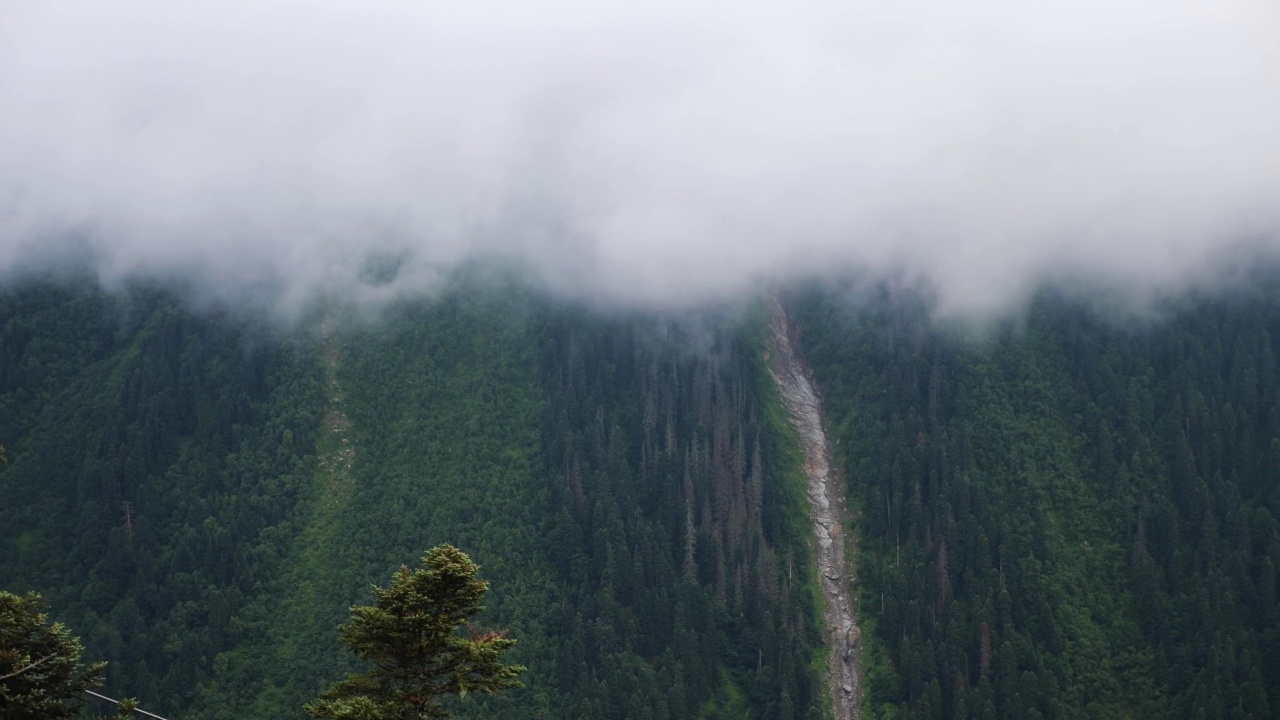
205,500
428,434
410,637
155,458
1071,518
41,675
674,525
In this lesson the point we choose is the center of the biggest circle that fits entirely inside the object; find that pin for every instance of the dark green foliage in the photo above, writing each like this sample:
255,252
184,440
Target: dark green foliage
154,458
679,524
1069,518
429,434
125,708
41,676
410,637
637,497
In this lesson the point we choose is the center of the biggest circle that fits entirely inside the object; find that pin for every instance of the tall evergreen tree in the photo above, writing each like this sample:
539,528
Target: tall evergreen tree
410,636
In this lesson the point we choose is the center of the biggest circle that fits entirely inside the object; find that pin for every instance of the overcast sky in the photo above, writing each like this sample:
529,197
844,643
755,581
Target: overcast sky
648,150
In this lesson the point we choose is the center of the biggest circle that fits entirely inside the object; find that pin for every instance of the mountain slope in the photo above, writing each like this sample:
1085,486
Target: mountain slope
1073,518
155,460
634,503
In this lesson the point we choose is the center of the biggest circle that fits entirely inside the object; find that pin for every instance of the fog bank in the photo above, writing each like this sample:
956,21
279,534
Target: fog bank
654,152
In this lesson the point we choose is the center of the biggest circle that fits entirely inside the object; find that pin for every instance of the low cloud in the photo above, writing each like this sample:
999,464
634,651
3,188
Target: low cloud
646,152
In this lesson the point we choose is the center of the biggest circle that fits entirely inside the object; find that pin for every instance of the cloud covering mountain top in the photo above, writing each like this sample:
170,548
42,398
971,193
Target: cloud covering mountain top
655,152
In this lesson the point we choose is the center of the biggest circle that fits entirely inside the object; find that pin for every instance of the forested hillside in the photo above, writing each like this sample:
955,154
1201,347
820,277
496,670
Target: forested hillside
1070,516
1073,517
201,498
156,460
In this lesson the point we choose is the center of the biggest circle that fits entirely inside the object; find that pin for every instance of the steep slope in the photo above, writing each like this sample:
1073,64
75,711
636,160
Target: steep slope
155,458
1068,518
829,513
680,526
634,502
430,435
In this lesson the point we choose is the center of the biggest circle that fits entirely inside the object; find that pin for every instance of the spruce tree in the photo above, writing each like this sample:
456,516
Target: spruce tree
41,675
410,637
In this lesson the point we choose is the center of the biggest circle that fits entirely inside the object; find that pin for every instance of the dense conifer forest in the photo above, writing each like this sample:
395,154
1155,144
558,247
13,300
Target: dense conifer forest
202,498
1066,515
1075,516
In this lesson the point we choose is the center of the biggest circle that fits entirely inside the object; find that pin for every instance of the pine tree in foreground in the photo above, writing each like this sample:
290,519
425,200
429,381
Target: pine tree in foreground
410,635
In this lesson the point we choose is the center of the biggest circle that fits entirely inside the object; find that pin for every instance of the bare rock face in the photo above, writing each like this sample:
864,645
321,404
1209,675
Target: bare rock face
828,512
